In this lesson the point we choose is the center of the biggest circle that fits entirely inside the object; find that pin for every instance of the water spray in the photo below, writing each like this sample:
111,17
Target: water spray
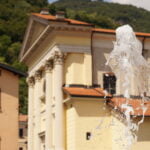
128,64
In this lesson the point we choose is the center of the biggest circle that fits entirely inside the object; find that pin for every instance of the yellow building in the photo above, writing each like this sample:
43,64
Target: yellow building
9,89
68,108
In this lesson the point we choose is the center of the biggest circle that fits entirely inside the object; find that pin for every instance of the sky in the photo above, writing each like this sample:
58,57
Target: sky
139,3
51,1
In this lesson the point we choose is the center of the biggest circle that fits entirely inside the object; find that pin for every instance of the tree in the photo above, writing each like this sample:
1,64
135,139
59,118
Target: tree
52,9
13,21
39,3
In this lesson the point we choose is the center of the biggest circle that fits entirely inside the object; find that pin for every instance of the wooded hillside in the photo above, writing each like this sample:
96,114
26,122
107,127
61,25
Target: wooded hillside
105,15
13,21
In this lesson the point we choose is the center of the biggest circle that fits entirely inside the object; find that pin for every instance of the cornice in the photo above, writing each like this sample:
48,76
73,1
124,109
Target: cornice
66,27
72,48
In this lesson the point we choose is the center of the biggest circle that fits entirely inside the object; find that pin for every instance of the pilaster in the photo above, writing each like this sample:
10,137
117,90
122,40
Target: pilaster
59,113
48,96
30,82
38,76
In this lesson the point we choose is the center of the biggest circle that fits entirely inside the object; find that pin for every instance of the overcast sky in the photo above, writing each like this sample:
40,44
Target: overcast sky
139,3
51,1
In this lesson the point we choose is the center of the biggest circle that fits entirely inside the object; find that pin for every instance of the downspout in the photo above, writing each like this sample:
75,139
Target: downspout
92,53
143,45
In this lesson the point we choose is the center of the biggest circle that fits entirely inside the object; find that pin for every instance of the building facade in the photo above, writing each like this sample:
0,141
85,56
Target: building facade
23,128
9,88
68,107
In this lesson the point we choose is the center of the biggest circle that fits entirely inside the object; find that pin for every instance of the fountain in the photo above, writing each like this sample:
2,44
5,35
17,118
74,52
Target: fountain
128,64
126,59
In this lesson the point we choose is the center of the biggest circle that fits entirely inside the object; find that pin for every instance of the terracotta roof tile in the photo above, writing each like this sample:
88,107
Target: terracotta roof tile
111,31
23,118
104,30
75,22
89,92
136,104
53,18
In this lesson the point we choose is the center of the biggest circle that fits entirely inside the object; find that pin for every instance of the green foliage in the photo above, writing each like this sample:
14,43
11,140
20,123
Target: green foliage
106,15
23,105
52,9
94,18
13,21
39,3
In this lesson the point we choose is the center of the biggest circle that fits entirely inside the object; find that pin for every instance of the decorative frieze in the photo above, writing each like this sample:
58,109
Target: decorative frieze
73,48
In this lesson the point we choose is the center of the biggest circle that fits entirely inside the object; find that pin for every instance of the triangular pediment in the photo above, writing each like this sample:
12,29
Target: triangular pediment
34,29
37,29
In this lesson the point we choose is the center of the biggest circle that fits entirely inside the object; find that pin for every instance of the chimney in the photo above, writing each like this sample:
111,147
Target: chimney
60,15
44,11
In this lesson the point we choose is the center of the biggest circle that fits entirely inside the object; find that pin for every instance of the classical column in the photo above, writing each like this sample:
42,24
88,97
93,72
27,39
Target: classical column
30,82
37,92
48,97
59,108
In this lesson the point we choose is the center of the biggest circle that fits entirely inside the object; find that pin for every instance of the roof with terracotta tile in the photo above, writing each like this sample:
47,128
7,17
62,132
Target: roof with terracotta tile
76,22
103,30
111,31
85,92
136,104
53,18
23,118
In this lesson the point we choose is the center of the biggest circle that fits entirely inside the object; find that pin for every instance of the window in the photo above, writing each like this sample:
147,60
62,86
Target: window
109,83
44,147
88,135
42,139
20,132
